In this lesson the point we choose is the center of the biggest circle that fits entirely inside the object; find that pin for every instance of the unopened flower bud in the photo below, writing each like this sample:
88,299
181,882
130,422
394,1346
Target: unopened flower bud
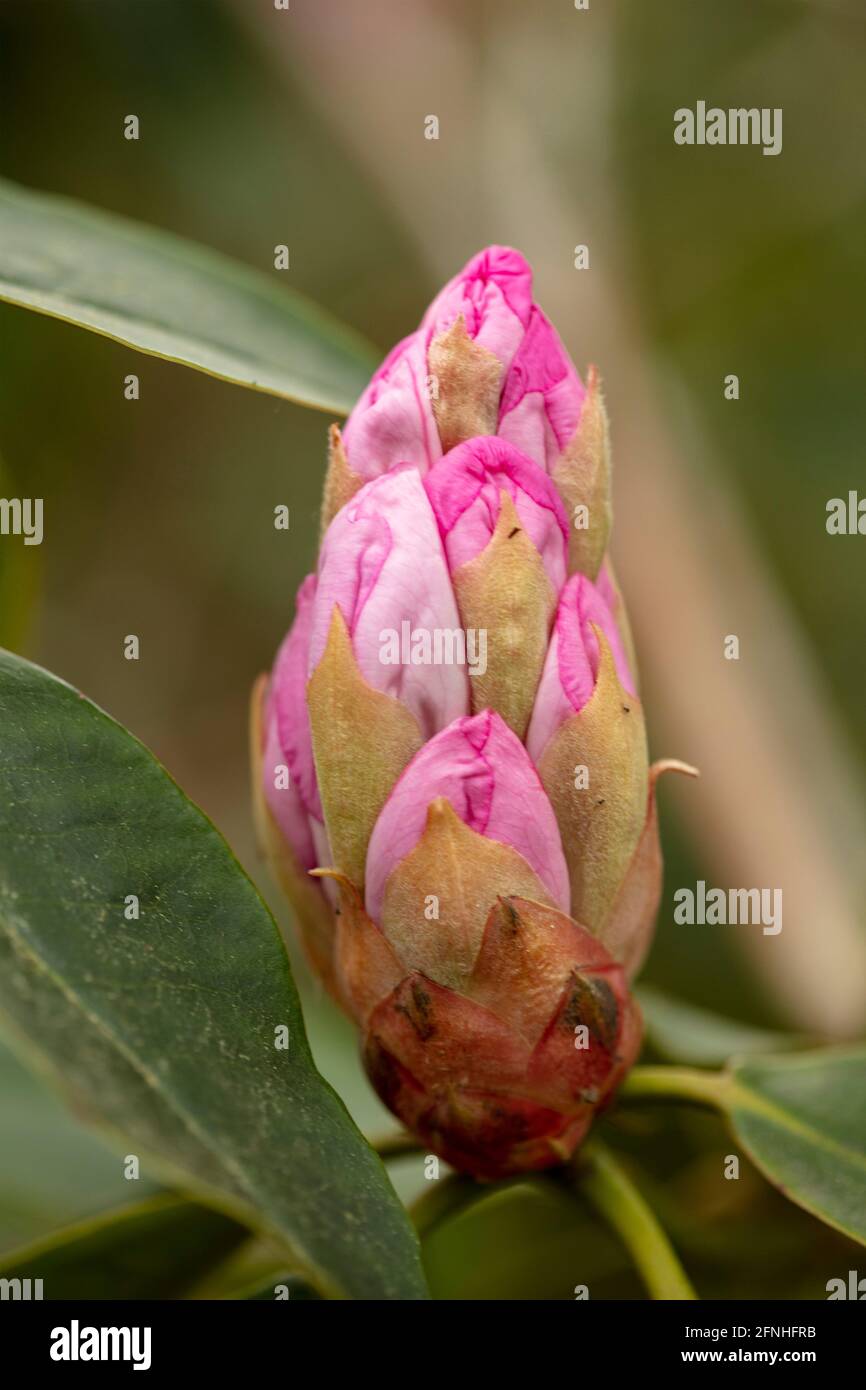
459,719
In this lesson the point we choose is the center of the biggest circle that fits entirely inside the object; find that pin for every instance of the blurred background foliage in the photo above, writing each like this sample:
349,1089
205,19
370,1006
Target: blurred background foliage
259,128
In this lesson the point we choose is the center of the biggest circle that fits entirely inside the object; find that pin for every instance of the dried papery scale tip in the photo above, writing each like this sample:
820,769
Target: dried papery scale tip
341,481
465,383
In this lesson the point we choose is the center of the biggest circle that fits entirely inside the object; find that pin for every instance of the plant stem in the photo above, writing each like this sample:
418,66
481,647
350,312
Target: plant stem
676,1083
396,1145
599,1176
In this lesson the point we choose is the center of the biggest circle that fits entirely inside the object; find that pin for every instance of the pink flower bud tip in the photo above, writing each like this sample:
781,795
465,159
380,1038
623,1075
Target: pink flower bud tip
485,360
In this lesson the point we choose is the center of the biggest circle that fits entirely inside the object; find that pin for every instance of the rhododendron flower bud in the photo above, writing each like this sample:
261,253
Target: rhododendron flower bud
485,361
450,754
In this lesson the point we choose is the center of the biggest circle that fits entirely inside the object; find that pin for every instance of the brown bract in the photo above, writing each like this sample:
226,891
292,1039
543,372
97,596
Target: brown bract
582,475
341,481
466,872
600,824
362,740
466,384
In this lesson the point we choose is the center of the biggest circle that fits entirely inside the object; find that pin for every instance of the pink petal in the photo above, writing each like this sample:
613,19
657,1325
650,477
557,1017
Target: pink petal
464,490
287,702
383,564
393,420
570,669
285,804
482,768
493,292
543,395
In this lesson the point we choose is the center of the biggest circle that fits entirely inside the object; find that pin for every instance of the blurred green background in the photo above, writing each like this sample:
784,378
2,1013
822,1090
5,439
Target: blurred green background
306,127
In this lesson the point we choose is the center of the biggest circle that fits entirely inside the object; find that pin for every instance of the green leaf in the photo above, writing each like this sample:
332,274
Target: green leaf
151,1249
802,1121
682,1032
165,1026
175,299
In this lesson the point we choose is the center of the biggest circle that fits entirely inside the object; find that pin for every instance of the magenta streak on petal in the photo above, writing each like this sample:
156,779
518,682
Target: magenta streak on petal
478,783
459,476
465,490
493,293
542,365
581,608
537,365
510,272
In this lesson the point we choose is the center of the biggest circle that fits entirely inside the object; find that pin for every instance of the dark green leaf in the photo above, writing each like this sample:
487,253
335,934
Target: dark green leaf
176,300
802,1120
152,1249
165,1026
